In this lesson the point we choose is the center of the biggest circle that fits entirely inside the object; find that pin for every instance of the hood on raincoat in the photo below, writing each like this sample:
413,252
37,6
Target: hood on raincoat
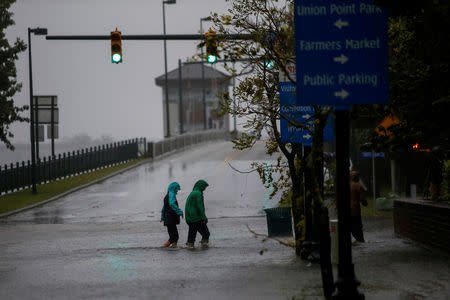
174,187
200,185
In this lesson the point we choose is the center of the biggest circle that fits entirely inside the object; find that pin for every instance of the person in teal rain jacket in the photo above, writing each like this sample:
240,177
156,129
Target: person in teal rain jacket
170,214
195,215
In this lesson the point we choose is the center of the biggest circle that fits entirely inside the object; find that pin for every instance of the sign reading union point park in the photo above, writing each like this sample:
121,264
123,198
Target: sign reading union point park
341,52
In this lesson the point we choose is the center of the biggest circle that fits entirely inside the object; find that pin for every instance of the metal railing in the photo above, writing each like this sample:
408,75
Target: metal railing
18,176
179,142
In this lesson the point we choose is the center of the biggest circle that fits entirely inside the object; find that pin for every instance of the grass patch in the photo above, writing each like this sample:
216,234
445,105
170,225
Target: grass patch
23,198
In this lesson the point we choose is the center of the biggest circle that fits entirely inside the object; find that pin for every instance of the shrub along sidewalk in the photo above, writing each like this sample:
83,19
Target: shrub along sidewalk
46,192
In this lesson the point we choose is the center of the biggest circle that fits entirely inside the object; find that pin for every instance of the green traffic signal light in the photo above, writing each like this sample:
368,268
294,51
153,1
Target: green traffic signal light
116,58
269,64
212,59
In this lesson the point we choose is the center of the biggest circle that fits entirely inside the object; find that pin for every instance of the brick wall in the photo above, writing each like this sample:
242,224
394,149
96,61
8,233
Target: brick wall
423,221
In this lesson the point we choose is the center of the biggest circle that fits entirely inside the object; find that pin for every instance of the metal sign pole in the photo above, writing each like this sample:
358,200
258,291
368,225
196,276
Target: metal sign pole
347,284
32,123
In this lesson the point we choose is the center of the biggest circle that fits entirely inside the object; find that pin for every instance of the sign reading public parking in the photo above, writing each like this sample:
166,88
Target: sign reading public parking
341,52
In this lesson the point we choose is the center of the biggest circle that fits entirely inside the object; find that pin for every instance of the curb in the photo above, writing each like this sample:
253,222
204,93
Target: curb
75,189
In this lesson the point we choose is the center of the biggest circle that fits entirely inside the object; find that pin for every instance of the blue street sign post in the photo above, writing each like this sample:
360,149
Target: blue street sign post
341,51
341,59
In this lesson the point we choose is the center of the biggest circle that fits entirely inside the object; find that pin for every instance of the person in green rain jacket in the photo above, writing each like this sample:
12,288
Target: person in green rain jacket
170,214
195,215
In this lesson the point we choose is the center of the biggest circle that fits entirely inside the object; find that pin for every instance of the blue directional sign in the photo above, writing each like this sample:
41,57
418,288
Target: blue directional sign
293,115
372,154
341,52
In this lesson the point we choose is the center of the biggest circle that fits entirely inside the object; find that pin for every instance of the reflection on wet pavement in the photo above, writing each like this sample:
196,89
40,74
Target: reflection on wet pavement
137,195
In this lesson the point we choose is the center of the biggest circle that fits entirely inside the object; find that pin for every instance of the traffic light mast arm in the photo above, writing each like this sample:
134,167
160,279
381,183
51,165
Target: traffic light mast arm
156,37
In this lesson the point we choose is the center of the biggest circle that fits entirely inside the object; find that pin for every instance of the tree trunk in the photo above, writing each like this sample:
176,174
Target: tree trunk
297,201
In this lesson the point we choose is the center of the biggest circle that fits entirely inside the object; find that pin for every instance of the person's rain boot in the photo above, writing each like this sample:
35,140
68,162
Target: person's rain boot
173,245
189,245
204,243
166,244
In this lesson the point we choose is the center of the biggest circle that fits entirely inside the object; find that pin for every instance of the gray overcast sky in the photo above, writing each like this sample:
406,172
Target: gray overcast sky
95,96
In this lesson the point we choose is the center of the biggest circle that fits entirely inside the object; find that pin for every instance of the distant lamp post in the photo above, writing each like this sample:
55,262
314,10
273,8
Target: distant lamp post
36,31
166,84
203,76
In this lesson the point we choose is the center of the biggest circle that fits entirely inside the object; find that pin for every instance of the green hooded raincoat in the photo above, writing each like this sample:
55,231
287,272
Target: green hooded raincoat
195,207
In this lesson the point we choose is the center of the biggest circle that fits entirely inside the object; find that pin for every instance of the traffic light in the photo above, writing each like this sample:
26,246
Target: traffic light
116,47
269,64
211,46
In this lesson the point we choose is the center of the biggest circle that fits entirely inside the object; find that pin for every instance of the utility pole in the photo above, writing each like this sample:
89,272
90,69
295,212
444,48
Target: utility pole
180,95
36,31
165,67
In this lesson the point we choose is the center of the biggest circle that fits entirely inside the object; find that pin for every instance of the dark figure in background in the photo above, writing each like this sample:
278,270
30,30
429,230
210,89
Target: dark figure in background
195,215
170,214
356,199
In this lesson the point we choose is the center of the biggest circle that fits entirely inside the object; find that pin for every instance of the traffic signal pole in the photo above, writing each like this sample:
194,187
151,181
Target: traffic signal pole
157,37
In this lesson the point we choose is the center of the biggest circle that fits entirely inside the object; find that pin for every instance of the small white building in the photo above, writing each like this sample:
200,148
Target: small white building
215,82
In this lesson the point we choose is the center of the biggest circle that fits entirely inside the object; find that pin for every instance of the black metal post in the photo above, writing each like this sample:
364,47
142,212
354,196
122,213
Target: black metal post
33,155
203,78
36,127
166,84
180,94
52,126
346,283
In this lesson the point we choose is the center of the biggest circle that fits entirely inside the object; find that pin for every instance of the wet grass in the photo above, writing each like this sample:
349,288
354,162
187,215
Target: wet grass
23,198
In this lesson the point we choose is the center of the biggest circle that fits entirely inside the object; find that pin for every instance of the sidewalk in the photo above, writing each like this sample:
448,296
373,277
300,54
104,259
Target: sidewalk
392,267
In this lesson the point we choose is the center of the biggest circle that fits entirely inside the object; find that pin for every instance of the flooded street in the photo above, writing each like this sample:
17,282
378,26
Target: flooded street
137,195
104,242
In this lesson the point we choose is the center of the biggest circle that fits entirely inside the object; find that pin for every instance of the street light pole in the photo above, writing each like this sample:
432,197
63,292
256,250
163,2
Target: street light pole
166,84
203,76
36,31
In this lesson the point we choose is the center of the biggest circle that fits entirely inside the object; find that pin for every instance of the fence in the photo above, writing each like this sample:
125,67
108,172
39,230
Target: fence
18,176
159,148
68,164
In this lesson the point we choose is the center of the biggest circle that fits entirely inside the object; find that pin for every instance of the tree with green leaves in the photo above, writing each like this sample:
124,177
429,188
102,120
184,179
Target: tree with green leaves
268,50
9,113
419,52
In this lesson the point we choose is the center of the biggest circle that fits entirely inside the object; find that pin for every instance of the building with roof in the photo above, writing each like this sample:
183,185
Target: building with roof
191,93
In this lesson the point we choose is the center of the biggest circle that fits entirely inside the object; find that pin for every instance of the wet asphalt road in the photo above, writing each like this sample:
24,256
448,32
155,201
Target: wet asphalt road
137,195
103,243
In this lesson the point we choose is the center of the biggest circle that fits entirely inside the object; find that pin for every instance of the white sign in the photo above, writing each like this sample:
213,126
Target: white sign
39,133
45,116
45,100
55,130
